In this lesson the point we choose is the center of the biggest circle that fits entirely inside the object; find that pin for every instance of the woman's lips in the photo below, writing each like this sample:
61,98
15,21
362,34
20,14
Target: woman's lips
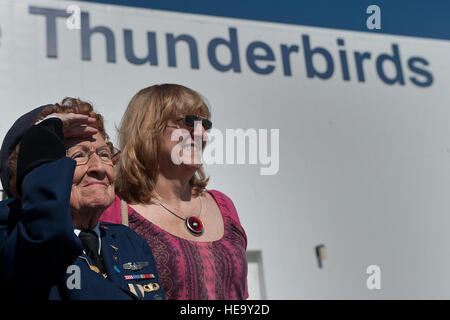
96,183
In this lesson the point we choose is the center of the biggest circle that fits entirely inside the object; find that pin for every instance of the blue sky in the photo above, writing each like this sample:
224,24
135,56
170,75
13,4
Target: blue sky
425,18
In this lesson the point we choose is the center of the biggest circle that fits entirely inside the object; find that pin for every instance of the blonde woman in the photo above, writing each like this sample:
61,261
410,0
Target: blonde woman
195,234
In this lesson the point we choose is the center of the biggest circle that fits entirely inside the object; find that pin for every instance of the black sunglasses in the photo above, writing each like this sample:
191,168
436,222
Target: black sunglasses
190,120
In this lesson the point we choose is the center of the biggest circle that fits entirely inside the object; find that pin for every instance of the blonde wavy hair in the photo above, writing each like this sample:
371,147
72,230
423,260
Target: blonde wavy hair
140,133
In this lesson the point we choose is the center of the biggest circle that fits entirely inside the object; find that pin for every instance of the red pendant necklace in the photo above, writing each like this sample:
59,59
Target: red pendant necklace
193,224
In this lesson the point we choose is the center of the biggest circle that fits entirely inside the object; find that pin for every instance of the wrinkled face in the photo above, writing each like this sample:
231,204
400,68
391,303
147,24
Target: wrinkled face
183,143
93,182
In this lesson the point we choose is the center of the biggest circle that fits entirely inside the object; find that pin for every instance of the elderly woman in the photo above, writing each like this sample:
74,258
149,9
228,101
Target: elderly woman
196,236
59,175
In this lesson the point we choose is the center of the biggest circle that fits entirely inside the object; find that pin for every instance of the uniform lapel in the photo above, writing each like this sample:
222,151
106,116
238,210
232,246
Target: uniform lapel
111,257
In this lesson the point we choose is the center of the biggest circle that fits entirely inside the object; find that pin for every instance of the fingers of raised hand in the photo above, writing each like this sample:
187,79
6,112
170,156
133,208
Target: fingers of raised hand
77,125
79,131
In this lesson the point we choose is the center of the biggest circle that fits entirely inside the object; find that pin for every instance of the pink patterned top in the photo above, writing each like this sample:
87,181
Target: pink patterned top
194,270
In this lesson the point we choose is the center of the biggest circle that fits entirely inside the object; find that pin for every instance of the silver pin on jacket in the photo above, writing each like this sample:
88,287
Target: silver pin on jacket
135,265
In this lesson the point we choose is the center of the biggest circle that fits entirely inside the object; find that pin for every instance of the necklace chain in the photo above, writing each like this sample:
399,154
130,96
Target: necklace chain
176,215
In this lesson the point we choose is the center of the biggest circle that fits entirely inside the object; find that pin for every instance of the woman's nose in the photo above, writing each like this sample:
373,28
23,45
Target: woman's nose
198,129
95,163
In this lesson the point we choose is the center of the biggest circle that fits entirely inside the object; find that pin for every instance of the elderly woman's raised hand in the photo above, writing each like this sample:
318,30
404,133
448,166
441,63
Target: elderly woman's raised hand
76,125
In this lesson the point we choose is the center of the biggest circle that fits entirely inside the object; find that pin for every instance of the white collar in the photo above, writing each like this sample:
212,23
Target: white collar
97,231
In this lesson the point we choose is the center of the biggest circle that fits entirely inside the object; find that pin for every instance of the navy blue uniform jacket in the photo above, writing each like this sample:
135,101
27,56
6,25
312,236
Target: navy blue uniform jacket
41,257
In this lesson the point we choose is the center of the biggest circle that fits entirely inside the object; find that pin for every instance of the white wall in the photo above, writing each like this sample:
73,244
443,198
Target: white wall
364,166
